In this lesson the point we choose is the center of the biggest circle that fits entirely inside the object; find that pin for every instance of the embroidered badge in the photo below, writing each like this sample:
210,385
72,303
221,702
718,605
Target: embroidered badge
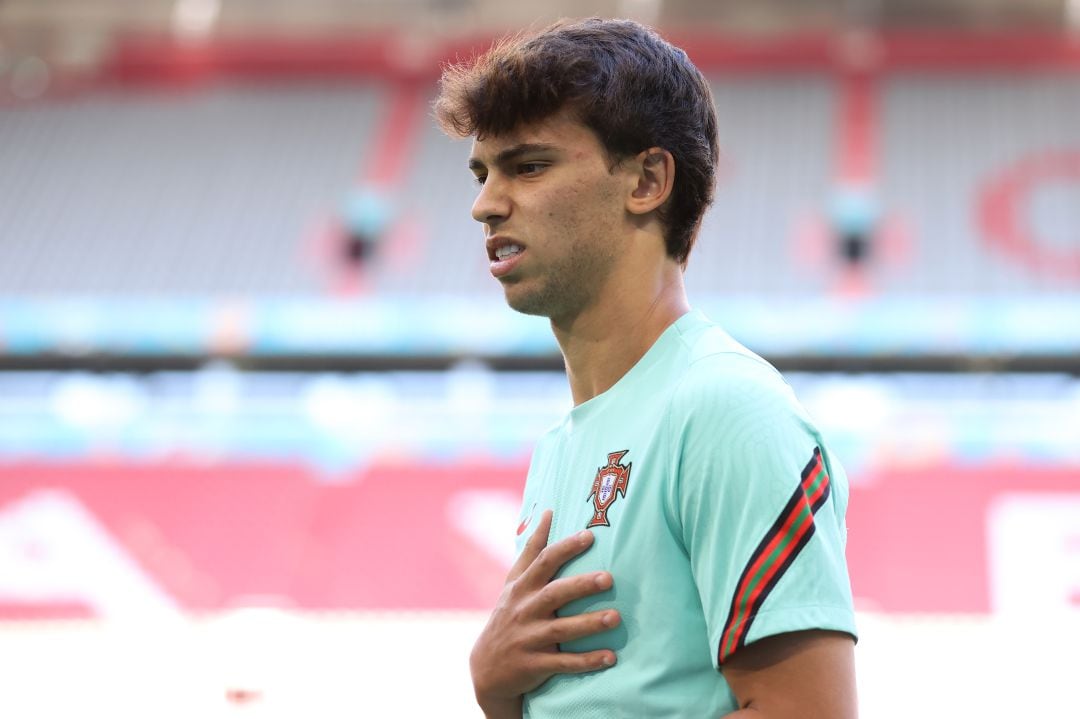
611,479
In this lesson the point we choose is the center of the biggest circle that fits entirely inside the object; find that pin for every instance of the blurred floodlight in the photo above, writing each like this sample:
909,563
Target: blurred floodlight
195,19
470,388
92,404
1072,14
356,409
217,388
850,405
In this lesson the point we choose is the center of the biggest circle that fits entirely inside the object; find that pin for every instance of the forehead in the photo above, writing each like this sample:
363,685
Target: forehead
560,132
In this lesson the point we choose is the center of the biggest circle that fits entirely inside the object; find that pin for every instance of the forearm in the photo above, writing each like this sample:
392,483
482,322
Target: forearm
500,708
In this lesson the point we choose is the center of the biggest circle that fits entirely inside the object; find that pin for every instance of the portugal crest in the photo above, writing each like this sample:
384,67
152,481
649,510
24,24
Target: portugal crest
611,479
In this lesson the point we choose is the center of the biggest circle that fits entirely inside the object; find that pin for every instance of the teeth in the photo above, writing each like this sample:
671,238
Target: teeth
506,250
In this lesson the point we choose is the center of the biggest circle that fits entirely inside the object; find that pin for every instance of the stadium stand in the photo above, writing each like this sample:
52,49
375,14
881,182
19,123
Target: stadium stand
946,139
159,194
98,193
777,146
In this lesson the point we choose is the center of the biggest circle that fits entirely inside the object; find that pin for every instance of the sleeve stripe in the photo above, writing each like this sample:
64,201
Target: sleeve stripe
774,554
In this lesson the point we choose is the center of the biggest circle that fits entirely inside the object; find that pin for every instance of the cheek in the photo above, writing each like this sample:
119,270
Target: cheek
590,199
565,206
582,207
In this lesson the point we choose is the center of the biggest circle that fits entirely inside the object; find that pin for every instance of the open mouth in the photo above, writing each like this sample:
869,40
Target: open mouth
508,251
504,254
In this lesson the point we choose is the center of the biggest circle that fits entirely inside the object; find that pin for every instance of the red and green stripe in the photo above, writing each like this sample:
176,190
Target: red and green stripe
775,553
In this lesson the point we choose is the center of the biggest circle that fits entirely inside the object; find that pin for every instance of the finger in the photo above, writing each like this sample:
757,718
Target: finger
533,546
562,591
565,629
554,556
575,663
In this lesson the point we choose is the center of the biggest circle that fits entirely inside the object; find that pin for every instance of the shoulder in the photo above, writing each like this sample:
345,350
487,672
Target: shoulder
714,355
730,400
722,377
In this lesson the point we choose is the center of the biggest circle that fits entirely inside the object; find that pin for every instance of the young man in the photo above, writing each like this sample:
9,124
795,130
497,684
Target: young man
686,550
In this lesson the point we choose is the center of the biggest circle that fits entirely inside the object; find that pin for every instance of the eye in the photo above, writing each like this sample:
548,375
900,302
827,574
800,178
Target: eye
479,179
531,168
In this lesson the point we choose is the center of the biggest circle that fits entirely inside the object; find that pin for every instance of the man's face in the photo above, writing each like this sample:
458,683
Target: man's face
553,212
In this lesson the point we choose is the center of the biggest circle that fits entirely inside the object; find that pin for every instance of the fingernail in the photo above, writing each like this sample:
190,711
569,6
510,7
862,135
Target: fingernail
601,580
609,619
584,535
608,660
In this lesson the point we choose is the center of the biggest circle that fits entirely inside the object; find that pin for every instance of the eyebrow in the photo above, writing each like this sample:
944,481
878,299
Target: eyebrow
512,153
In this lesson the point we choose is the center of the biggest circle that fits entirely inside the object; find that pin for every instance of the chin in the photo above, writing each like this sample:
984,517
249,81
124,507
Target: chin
527,306
527,303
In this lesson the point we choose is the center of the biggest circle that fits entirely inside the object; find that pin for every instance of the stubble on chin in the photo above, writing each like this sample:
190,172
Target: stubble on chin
542,301
567,288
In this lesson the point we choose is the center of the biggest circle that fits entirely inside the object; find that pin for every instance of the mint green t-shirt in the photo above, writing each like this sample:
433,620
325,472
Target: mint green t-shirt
716,507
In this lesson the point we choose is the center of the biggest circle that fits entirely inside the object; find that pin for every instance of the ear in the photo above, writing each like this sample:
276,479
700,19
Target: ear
654,176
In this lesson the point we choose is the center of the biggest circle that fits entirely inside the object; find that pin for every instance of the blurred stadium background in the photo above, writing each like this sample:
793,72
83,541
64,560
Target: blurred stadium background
264,418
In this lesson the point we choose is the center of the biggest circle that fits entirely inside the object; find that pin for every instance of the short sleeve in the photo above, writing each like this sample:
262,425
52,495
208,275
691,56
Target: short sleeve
760,505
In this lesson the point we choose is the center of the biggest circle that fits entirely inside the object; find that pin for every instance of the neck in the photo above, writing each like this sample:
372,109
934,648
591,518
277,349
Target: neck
602,342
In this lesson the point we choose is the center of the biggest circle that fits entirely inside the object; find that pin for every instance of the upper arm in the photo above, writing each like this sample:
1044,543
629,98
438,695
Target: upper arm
761,510
807,674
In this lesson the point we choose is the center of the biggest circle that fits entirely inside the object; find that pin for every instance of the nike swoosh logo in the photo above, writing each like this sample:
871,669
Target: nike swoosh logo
525,522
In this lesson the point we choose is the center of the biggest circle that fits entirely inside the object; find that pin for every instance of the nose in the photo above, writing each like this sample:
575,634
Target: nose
492,205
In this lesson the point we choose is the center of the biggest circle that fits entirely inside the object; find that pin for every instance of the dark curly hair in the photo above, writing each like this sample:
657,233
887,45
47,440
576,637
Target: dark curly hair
621,80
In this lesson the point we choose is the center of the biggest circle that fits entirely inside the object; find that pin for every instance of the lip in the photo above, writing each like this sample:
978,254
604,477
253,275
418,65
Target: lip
499,268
